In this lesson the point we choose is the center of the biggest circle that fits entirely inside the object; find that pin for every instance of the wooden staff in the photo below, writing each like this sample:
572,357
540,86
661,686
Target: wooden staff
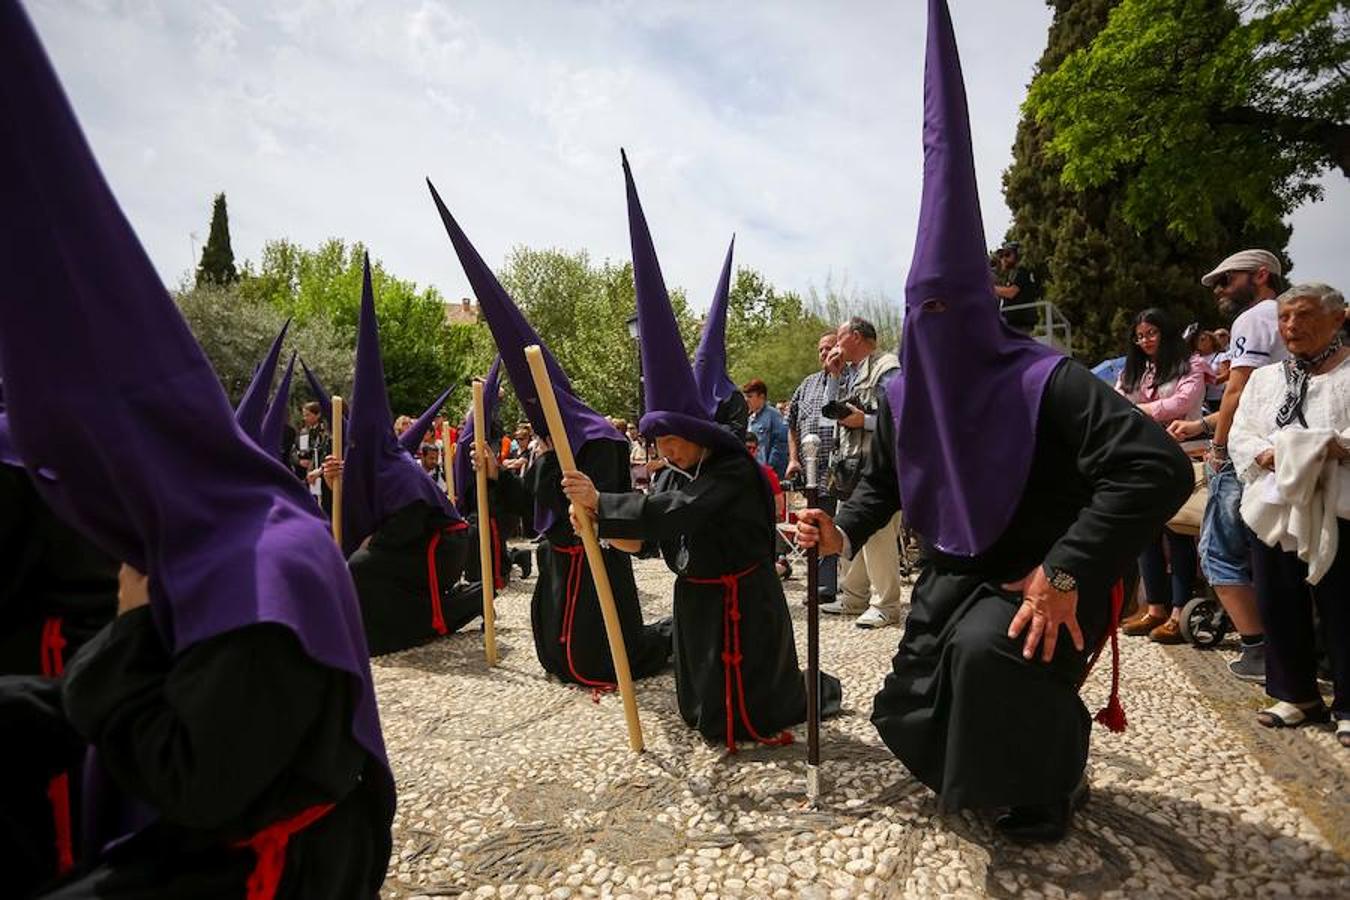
484,526
543,386
450,451
337,485
810,447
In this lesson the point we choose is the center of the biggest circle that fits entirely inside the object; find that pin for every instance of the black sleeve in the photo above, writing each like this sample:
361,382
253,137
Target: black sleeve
1139,474
39,740
678,509
199,737
877,496
510,495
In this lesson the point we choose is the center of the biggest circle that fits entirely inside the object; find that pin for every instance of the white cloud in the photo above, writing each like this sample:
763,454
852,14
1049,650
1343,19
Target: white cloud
794,124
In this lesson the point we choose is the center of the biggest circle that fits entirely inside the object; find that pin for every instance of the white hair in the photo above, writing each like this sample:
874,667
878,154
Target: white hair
1331,299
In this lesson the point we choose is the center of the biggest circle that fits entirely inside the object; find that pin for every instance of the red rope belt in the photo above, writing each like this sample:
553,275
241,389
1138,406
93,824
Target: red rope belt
1112,715
576,569
269,845
731,658
497,580
58,789
433,578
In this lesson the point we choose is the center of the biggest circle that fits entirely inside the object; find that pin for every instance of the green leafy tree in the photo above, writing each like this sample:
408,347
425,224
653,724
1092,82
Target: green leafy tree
581,310
1099,263
217,265
1198,103
423,352
771,335
236,330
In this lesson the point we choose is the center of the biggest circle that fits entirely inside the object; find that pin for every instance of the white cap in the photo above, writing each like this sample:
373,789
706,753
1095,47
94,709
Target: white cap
1244,261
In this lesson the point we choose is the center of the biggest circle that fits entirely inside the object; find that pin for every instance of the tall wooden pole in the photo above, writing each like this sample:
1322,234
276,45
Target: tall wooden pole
337,485
810,447
486,569
451,450
543,386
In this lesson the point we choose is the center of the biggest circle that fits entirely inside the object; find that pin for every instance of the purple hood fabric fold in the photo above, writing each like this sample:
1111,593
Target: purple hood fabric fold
378,476
252,407
107,389
464,474
968,395
710,359
411,440
319,392
673,402
513,334
274,423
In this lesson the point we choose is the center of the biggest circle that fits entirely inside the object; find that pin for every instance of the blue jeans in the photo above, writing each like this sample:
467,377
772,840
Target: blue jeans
1225,555
1158,588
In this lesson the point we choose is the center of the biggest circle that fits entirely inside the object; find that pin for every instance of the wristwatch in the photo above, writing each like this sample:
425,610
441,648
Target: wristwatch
1061,580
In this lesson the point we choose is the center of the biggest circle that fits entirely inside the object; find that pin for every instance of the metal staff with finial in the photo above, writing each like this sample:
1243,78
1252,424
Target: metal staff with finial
810,449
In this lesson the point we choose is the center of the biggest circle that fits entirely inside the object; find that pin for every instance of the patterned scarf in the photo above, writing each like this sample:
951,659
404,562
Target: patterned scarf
1297,371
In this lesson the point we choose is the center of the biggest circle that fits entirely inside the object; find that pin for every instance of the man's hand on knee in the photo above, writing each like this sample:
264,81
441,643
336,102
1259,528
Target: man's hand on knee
1044,609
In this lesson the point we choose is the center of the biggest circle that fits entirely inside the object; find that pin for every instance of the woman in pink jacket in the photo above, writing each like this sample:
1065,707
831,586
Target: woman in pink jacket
1167,382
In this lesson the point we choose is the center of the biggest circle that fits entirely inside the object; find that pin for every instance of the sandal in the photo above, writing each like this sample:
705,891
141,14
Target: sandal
1343,732
1290,715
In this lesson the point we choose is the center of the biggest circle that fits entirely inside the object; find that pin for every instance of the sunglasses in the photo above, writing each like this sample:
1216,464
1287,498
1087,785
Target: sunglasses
1147,336
1223,279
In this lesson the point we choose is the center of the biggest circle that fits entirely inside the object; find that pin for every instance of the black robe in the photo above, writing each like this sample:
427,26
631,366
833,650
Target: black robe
965,713
569,630
40,758
393,580
56,588
237,733
507,497
734,414
721,524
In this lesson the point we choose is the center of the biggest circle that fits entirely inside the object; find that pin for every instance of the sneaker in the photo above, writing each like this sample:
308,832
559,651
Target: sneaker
876,618
1251,663
841,608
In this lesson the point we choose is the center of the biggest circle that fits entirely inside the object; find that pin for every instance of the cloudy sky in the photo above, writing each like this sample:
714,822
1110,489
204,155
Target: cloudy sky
793,124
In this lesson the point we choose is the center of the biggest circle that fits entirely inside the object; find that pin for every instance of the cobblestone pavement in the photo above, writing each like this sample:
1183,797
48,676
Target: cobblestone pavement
514,785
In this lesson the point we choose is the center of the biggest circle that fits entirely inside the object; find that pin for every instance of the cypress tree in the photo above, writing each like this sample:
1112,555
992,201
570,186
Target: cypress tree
217,265
1096,267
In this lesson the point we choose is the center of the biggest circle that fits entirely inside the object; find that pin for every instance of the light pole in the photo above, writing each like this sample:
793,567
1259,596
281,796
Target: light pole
636,335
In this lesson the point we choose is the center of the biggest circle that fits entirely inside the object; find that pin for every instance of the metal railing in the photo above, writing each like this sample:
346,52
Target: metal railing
1052,327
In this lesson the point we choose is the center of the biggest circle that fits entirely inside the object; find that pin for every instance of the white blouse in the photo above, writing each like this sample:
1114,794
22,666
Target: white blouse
1326,407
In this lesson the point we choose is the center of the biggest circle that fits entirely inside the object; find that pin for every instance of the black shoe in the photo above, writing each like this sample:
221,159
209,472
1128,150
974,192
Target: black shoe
1042,823
522,559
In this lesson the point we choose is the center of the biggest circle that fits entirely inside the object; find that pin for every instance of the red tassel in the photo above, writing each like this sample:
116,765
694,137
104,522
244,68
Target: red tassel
1113,714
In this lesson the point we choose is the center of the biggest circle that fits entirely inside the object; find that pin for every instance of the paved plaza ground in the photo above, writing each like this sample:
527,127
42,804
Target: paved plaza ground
514,785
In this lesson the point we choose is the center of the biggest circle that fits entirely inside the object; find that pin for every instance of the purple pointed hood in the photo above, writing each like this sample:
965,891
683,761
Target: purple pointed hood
378,477
9,456
106,387
411,440
673,402
513,334
964,374
710,359
465,485
321,395
252,407
274,424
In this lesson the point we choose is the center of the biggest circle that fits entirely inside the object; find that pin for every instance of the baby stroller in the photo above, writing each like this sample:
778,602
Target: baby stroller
1203,620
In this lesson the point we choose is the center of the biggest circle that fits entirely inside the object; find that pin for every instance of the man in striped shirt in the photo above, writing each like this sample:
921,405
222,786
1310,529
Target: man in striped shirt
804,418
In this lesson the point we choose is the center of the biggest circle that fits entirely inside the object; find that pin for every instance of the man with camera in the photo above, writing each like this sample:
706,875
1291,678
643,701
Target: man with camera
871,588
